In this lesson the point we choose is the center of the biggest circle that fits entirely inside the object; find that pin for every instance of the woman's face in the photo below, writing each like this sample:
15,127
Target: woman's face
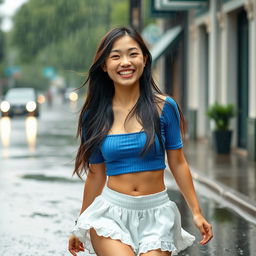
125,63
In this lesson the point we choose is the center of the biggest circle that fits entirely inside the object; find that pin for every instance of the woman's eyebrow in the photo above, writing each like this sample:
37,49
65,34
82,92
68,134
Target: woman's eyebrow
130,49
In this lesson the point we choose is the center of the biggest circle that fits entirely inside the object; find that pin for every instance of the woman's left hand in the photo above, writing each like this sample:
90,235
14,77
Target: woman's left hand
204,227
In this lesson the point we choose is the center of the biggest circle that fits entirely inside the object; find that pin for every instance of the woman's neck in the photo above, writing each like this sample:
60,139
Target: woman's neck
125,97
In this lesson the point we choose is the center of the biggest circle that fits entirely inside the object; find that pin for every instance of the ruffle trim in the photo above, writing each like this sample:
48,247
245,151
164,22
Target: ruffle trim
82,232
166,246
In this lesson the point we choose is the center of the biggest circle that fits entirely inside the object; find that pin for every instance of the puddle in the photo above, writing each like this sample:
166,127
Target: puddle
39,214
42,177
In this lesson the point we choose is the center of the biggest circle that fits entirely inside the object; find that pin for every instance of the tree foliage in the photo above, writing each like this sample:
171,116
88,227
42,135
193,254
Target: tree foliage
49,23
40,23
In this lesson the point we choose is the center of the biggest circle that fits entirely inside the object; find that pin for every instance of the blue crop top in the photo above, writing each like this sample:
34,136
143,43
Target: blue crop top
121,152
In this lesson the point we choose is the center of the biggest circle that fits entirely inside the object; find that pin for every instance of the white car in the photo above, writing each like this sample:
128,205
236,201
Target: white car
20,101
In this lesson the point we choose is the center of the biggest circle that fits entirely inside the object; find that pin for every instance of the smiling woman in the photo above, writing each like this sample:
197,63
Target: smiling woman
125,62
126,126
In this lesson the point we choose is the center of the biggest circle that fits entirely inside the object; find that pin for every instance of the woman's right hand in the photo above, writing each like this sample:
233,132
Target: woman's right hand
75,245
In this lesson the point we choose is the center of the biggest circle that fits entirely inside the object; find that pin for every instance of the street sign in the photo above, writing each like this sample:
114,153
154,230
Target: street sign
49,72
12,71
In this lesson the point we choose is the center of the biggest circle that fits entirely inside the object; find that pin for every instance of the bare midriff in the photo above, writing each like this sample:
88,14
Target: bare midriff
138,183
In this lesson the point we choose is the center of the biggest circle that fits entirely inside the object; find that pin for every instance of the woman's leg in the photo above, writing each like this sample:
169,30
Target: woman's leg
104,246
156,253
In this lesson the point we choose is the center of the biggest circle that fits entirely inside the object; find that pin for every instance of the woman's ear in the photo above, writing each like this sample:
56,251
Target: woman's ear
104,67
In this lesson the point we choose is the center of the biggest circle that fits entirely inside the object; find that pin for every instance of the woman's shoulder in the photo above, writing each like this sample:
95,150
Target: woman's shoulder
161,96
160,102
169,108
165,98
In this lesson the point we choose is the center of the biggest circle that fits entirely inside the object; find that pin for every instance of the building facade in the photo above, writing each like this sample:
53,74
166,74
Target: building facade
215,60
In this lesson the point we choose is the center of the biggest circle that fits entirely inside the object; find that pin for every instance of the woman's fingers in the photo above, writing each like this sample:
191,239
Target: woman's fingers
206,231
73,252
71,247
75,245
81,247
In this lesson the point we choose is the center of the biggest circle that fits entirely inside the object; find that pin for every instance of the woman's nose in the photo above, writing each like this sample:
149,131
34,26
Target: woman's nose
125,61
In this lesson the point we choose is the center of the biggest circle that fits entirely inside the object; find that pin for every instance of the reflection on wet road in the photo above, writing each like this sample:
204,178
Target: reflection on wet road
233,235
40,200
30,124
31,132
5,129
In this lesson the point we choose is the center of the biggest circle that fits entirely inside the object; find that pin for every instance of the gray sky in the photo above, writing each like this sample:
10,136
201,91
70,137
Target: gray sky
7,9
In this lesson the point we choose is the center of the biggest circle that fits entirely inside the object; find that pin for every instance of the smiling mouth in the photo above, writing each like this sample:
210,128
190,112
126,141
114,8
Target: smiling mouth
126,73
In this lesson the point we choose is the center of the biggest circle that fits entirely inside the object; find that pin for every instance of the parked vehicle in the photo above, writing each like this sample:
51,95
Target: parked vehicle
20,101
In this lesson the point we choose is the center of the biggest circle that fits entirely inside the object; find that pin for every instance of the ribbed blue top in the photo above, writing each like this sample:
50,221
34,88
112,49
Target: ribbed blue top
121,152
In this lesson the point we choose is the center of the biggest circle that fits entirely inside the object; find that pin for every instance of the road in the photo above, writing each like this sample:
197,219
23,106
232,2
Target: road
40,199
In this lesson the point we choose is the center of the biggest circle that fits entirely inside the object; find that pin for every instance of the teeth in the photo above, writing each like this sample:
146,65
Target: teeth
126,72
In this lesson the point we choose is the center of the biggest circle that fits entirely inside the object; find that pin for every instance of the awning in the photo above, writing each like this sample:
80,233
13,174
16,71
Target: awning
178,5
165,42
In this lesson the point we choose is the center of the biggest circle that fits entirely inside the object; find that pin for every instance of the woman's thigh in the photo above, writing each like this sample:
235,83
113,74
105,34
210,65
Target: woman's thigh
104,246
156,253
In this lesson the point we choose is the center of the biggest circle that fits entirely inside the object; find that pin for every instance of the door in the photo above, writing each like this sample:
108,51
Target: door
243,66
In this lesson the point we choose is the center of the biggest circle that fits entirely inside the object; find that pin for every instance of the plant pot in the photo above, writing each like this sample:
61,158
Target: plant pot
222,141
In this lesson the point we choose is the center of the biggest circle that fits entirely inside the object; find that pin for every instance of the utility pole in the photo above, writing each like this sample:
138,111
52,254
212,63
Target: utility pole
135,14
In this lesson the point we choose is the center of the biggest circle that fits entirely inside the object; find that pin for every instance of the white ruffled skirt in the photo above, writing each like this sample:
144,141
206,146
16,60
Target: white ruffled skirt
145,223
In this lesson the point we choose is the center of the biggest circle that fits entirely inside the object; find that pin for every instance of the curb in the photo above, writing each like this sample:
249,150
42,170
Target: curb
244,203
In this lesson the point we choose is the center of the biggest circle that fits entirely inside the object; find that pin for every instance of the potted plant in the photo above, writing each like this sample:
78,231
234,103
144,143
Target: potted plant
221,114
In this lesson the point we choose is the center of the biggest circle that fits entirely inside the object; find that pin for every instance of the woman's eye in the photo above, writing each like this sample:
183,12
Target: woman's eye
134,54
114,57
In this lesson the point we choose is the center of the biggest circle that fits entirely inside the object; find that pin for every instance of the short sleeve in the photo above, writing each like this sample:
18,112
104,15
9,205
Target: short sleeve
172,130
96,157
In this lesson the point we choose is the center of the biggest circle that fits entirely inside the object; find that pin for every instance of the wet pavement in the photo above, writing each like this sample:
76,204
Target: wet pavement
233,235
40,200
233,170
233,176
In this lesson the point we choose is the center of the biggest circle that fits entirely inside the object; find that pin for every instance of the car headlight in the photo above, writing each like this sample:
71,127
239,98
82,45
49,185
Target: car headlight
31,106
41,99
5,106
73,96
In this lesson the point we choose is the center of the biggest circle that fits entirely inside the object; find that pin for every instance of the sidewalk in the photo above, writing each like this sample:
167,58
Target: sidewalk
232,176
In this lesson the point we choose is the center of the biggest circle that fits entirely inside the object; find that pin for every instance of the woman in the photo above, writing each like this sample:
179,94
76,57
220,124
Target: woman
126,126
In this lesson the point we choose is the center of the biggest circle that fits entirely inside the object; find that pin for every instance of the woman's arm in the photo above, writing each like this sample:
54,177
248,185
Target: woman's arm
94,184
180,170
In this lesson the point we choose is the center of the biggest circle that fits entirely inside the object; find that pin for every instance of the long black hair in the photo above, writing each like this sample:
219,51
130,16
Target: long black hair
96,117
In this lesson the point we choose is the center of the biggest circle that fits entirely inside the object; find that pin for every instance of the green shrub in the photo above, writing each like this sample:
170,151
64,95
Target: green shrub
221,114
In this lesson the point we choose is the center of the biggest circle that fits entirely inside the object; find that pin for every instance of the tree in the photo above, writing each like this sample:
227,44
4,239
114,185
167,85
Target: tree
40,23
